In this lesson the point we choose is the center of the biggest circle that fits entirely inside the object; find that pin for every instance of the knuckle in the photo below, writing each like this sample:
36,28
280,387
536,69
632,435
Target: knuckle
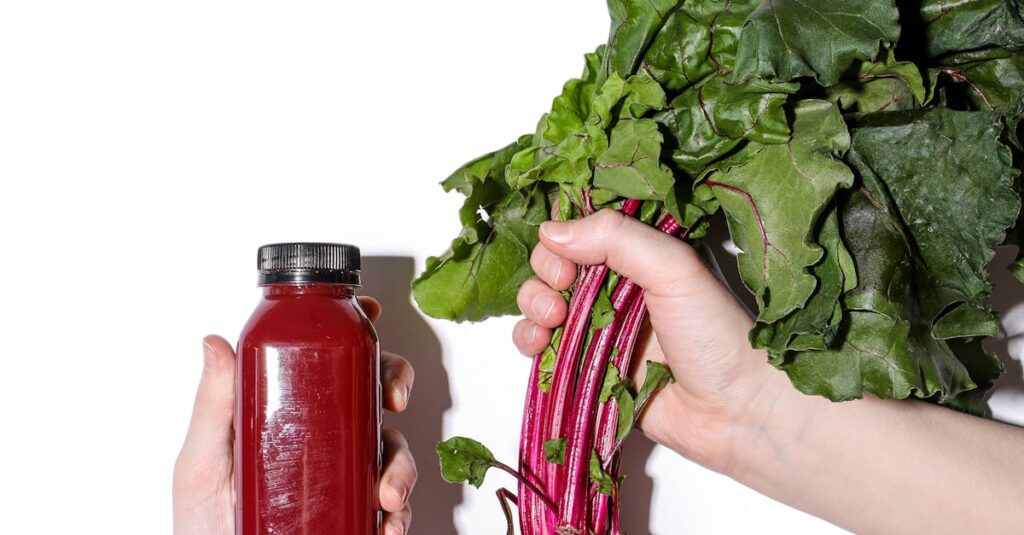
609,220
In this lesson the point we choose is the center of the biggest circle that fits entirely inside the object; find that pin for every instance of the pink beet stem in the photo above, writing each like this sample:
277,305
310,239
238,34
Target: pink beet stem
573,504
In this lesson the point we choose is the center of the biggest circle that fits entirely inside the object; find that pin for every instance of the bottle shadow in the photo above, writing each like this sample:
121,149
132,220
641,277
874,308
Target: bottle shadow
403,331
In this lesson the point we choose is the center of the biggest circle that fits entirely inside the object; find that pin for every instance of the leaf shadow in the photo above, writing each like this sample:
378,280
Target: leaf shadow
403,331
1008,300
638,487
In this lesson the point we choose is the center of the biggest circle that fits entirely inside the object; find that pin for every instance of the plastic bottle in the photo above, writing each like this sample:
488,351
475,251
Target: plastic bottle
307,414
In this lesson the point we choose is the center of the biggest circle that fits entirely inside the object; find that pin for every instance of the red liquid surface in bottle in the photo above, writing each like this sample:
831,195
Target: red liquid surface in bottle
307,417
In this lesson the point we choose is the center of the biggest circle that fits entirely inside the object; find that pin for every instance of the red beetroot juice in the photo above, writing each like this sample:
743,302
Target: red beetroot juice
307,415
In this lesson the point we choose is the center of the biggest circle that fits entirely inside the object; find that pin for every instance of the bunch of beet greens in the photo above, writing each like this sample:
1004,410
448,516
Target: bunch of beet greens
866,156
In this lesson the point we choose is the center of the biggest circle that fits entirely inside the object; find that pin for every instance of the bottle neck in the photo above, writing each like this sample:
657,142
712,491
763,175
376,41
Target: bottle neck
330,289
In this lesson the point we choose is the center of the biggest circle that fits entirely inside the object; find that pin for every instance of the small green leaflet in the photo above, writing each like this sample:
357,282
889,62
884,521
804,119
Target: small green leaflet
603,312
464,460
606,484
554,451
621,389
547,361
625,404
658,376
611,378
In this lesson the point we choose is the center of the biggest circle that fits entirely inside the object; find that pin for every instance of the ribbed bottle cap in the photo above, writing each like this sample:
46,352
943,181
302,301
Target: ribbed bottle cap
308,262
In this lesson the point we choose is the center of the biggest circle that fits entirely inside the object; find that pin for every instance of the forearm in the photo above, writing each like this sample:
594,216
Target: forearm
885,466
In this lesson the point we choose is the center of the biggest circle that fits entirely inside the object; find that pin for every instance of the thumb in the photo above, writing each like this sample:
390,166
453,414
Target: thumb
662,265
210,431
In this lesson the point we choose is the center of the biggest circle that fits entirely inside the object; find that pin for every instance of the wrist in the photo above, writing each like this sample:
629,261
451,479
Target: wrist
766,422
770,429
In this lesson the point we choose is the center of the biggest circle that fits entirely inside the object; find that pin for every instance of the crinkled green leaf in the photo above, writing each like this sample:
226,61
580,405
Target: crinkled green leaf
634,25
643,95
788,39
691,205
477,279
984,368
697,40
568,142
951,183
711,119
959,25
1016,237
631,167
464,460
816,325
881,86
936,199
886,347
774,201
570,109
991,85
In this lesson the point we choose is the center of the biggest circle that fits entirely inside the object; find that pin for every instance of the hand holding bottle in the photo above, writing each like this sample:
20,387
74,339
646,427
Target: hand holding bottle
203,490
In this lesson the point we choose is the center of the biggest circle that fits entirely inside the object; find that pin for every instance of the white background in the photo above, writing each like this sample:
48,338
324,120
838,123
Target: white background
146,150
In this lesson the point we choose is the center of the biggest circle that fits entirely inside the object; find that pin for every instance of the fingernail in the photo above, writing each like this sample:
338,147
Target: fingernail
209,355
399,491
554,268
396,528
543,305
402,392
556,231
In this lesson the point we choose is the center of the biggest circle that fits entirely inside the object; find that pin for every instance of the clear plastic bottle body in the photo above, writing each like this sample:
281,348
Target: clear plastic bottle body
307,416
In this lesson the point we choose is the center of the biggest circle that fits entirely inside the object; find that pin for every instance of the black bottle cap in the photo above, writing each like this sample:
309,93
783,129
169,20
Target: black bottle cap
308,262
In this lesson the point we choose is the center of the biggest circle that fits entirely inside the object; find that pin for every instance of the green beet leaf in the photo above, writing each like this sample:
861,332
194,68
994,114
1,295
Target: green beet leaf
936,199
816,325
989,85
881,86
711,119
464,460
631,167
955,26
697,40
479,275
951,183
774,201
886,346
634,25
788,39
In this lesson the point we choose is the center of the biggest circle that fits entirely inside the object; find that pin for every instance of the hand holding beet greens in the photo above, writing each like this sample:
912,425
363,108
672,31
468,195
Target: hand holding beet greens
867,160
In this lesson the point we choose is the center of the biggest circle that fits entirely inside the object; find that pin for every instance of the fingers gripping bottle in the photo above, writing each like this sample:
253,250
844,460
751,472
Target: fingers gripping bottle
307,409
